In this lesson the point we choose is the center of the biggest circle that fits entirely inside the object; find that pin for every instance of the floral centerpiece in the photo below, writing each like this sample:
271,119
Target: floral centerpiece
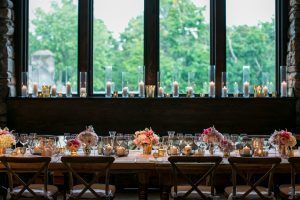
6,140
227,147
73,145
146,138
212,136
89,138
284,141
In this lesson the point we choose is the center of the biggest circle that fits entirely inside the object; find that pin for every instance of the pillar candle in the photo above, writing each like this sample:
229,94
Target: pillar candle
283,89
212,89
161,92
24,91
108,89
125,92
246,89
175,89
68,89
53,91
224,91
266,91
83,92
141,89
35,89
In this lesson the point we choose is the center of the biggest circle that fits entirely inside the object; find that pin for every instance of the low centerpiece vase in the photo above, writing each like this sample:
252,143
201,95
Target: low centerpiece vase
211,149
2,151
284,151
87,149
226,153
73,151
147,148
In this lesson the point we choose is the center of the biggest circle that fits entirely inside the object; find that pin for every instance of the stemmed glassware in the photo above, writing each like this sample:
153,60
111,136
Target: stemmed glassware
66,137
235,139
17,137
119,139
171,135
180,138
24,139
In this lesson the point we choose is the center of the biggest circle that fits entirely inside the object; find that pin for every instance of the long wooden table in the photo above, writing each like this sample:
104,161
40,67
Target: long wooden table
143,165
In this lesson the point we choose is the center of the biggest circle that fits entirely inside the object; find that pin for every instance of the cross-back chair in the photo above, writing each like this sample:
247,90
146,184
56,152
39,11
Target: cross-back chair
182,166
292,191
16,166
242,166
99,166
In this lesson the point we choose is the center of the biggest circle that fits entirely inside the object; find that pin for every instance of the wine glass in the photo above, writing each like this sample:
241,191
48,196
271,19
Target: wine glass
235,140
24,139
119,139
16,135
188,139
180,138
66,137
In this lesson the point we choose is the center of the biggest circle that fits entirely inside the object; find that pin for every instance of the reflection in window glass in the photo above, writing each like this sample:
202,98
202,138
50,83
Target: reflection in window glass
251,42
118,42
53,39
184,44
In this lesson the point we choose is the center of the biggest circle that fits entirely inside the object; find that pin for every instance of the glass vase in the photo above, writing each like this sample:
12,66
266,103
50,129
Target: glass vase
125,88
283,81
147,149
160,88
175,84
87,150
83,84
224,85
108,82
190,87
24,86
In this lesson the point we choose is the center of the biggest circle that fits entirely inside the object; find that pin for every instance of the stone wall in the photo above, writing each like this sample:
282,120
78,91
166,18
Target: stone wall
293,57
7,77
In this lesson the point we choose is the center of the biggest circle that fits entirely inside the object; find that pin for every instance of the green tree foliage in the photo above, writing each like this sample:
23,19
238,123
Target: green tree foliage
184,45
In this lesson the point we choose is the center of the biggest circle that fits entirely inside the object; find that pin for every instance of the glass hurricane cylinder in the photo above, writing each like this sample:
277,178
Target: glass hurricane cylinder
283,81
125,88
212,83
246,81
190,87
141,81
68,89
35,89
160,88
24,85
83,84
175,84
108,81
224,85
236,89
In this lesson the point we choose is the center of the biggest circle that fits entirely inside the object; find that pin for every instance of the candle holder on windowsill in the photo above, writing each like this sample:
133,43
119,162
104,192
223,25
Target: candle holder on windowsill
24,85
246,81
212,83
83,84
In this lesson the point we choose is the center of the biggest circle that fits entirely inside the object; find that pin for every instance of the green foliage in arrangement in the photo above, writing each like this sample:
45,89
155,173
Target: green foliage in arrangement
184,46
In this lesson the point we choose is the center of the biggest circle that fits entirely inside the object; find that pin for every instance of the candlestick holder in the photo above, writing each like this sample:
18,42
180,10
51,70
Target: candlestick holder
141,81
108,82
125,88
24,85
212,83
83,84
246,81
191,84
175,84
160,87
283,81
224,85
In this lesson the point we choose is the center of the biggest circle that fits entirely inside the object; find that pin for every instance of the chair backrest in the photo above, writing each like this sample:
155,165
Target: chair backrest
96,165
242,165
295,168
16,165
205,166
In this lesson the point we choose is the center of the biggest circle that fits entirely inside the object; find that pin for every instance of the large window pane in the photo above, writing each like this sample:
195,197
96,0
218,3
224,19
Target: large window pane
118,41
184,43
251,42
53,28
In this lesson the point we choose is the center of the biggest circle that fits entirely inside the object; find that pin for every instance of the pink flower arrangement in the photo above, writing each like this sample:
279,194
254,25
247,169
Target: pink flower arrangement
88,137
283,137
73,143
211,135
146,136
226,145
6,138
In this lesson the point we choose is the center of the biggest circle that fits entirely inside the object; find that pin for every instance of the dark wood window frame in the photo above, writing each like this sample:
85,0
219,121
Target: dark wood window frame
151,39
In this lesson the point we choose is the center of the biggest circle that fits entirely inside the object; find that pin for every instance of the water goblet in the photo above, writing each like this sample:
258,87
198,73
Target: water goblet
66,137
17,137
24,139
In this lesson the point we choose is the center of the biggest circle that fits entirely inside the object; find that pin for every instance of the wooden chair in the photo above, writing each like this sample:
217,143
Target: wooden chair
182,166
15,166
291,191
242,166
89,190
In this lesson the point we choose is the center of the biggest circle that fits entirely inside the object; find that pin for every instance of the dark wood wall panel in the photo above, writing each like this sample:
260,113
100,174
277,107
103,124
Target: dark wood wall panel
55,116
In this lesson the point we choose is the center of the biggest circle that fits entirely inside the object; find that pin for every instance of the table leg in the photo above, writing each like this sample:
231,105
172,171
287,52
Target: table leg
143,185
164,189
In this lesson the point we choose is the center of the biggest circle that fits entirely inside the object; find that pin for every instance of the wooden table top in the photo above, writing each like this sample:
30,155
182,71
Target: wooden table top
136,161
